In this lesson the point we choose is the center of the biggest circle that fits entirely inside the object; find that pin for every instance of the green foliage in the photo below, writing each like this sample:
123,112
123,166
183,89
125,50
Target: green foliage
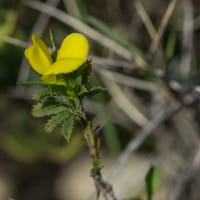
91,92
40,110
67,127
97,165
152,181
55,120
62,104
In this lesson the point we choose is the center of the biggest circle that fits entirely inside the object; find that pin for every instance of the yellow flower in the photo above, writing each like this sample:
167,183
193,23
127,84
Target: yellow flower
71,55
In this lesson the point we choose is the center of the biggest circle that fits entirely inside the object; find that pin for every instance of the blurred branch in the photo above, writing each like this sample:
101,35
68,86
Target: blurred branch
7,25
122,100
147,130
79,26
114,63
163,26
192,168
72,8
145,18
187,44
16,42
131,82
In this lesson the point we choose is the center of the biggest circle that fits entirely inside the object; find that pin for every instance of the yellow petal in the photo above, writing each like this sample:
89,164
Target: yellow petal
37,40
75,45
65,66
37,59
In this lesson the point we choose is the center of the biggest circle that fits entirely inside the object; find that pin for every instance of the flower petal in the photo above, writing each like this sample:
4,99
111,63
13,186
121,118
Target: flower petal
37,40
75,45
37,59
65,66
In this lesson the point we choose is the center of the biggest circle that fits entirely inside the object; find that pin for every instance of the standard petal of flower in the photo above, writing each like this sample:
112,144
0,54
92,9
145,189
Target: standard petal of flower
65,66
37,59
75,45
37,40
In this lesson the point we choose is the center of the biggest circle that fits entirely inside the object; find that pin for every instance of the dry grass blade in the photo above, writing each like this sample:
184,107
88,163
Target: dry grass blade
122,100
163,26
132,82
72,8
106,62
147,130
187,39
192,167
145,18
15,41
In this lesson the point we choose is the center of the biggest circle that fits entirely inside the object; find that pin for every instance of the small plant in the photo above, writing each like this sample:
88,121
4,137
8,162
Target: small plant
66,73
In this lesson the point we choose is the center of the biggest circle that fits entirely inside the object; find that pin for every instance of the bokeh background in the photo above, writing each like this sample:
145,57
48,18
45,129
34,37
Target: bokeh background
146,53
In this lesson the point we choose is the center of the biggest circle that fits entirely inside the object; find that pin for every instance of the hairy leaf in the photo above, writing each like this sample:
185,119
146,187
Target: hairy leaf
91,92
39,110
55,121
43,93
50,91
67,127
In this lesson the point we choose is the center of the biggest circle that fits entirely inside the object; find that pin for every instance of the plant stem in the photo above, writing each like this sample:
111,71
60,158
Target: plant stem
101,185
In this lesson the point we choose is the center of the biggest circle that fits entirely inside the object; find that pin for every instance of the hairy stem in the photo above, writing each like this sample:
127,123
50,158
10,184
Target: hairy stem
92,142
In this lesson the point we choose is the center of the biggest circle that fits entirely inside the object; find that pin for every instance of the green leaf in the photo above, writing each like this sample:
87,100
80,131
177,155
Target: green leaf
152,181
39,110
95,90
82,5
56,120
77,107
46,92
67,127
85,71
84,92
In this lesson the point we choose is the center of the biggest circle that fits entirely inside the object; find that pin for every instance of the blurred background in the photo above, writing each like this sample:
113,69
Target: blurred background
146,54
